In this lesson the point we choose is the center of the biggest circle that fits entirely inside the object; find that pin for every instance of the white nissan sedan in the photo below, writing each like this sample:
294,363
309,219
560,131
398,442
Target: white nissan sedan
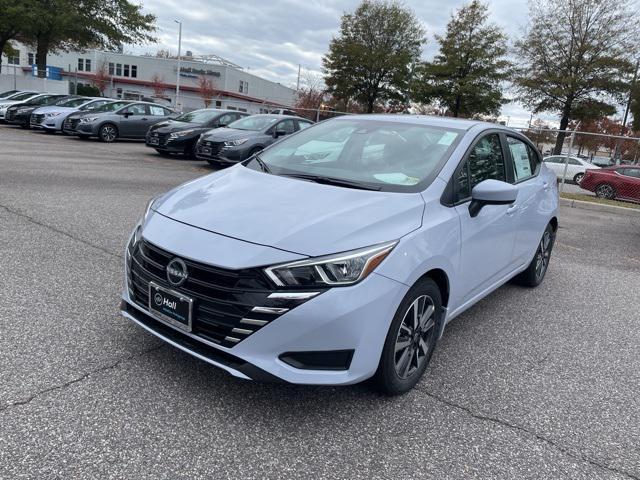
340,252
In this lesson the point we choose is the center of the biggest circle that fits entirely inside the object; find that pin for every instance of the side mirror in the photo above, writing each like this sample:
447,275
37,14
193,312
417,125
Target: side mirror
491,192
279,133
126,114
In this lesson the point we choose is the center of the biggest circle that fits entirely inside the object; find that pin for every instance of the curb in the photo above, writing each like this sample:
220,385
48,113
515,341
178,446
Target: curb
599,207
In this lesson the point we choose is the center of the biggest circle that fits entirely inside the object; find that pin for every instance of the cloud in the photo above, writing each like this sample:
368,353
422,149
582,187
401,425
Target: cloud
272,38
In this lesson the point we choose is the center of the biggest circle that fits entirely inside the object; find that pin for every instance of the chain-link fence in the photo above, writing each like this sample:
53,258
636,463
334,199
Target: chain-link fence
591,164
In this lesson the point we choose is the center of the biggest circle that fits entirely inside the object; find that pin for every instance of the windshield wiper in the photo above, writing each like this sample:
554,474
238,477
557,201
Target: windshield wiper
265,168
339,182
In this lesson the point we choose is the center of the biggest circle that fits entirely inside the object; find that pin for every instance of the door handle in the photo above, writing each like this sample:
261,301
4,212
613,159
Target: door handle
512,209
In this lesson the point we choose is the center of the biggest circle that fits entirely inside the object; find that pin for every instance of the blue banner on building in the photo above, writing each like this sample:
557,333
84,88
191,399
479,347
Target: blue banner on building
53,73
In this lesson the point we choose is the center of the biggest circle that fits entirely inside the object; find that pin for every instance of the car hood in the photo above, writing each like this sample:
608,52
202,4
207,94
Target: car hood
225,134
55,109
301,217
9,102
172,126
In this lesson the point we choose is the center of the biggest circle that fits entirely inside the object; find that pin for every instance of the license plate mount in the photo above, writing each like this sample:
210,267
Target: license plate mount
171,306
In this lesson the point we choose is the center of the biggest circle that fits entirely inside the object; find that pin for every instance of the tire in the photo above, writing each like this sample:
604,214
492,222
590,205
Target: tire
407,350
604,190
108,133
578,178
537,269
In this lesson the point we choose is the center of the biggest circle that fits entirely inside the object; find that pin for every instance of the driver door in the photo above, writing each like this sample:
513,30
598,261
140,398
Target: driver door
134,121
488,239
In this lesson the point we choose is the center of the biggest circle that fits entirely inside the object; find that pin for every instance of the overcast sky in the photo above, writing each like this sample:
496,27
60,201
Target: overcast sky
271,38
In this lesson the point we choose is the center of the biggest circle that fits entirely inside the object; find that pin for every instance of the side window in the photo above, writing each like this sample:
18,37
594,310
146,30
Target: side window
573,161
485,161
137,110
631,172
304,125
157,111
286,126
225,120
525,159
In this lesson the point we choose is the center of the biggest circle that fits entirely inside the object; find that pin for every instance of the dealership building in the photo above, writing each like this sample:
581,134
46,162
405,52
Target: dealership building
138,77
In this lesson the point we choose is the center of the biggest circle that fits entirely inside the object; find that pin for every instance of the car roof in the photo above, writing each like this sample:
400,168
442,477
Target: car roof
276,115
431,120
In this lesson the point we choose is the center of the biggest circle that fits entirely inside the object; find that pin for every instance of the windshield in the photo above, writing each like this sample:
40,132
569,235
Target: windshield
44,100
198,116
70,102
389,156
111,107
255,123
8,92
23,96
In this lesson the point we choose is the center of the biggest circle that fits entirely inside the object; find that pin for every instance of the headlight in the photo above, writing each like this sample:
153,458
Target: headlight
88,119
22,110
52,114
147,210
180,134
235,143
333,270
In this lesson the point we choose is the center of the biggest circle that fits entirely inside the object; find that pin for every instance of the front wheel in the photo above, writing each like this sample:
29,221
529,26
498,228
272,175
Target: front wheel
108,133
411,339
535,272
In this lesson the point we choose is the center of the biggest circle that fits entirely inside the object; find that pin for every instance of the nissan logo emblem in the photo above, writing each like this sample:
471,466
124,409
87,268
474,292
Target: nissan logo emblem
177,272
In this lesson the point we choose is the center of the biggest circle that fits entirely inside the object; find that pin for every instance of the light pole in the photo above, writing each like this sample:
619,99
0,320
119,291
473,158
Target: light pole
179,64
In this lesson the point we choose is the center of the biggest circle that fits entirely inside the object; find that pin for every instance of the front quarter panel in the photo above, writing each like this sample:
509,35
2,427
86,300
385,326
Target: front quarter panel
435,245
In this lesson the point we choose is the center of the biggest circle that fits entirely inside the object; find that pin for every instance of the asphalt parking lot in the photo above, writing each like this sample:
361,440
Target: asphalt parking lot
528,384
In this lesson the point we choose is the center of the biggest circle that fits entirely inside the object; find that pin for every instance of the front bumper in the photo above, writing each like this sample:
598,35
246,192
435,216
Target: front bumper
19,119
180,145
86,129
45,123
354,319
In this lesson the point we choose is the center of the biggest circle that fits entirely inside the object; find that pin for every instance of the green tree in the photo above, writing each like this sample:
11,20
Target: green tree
63,25
467,75
12,13
575,52
372,58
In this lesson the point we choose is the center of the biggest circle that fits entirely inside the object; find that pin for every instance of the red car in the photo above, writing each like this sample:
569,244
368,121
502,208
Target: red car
620,181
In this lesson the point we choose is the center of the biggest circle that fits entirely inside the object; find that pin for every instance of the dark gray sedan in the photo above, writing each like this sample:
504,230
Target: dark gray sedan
131,120
245,137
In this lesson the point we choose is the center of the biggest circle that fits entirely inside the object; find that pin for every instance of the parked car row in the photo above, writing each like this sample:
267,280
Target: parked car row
213,135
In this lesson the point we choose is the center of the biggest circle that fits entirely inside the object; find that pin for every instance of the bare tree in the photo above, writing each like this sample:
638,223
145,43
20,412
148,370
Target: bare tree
158,85
206,89
101,77
574,52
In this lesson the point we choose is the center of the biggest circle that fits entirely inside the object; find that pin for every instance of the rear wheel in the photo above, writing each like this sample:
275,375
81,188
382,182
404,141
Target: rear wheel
606,191
535,272
578,178
108,133
411,339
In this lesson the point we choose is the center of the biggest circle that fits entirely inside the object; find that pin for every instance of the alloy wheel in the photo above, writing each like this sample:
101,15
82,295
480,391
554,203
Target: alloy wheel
414,338
108,133
543,254
605,191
